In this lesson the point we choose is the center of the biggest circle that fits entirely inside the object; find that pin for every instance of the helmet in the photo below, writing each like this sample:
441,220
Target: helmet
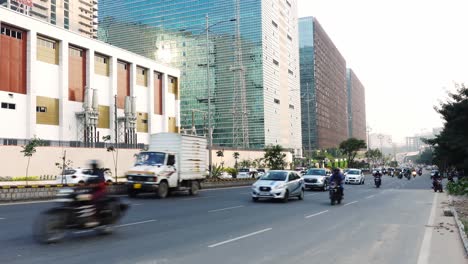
336,170
94,164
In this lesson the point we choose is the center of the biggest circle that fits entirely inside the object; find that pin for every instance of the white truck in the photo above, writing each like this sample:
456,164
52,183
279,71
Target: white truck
173,162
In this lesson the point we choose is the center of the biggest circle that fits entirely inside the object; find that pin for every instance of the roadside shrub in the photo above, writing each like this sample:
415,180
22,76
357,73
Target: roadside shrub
24,178
231,171
458,188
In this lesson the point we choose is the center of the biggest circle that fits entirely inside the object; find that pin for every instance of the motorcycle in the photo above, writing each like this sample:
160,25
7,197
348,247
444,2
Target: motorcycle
408,176
377,181
437,185
419,172
450,178
392,174
335,193
76,212
414,174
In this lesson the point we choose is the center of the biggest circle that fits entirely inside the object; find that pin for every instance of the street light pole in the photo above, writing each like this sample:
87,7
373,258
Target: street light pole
210,155
308,123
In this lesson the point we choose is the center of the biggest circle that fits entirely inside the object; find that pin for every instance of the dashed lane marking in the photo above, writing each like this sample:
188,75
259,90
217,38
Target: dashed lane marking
350,203
241,237
224,209
319,213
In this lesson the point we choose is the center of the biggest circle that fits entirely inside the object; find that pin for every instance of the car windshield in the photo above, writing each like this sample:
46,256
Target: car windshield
69,172
244,170
261,170
150,158
316,172
275,176
354,172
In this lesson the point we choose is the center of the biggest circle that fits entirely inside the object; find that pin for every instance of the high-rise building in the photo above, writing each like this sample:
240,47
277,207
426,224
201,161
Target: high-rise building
324,97
76,15
356,106
253,63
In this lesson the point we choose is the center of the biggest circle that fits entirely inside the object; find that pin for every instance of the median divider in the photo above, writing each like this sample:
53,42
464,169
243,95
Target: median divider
15,193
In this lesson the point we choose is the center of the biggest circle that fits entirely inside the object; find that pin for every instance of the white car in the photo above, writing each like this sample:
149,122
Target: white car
246,173
79,175
279,184
354,176
317,178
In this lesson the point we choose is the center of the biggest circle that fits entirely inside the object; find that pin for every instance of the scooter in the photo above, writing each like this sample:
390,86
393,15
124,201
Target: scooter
76,212
377,181
335,193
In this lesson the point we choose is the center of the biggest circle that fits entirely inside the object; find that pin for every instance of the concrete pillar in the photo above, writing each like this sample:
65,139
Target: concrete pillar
63,90
112,93
150,100
31,82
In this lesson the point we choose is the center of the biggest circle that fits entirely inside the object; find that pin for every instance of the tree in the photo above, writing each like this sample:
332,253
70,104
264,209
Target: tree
115,154
451,145
236,157
425,157
64,164
374,155
258,163
245,163
350,148
274,157
29,149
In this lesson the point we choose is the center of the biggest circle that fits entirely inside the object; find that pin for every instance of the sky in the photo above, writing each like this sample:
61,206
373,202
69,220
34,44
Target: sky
407,54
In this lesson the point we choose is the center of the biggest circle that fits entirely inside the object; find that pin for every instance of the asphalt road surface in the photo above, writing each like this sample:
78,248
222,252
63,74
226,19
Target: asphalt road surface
372,225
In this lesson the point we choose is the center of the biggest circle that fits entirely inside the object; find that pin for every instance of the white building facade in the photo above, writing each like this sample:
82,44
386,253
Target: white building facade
60,86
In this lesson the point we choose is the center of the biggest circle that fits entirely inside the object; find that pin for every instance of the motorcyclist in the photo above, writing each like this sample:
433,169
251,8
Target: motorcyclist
338,178
377,174
97,189
435,178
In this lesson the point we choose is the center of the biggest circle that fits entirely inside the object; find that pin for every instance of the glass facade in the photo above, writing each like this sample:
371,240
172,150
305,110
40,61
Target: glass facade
308,102
173,32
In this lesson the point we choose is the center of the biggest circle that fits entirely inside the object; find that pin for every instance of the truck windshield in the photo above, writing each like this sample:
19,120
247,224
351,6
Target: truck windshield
150,158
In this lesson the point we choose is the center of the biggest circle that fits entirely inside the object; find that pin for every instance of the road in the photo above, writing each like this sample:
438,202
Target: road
372,225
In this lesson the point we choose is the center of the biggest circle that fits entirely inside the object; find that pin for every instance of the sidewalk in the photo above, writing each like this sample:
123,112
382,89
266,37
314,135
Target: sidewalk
446,244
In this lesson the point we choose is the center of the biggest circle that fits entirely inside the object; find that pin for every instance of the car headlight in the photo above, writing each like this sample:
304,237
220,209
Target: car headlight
129,177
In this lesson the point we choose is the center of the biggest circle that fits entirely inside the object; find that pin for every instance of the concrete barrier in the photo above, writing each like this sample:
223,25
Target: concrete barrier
43,192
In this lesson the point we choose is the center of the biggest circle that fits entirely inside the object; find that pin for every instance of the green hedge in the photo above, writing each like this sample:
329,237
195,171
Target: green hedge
458,188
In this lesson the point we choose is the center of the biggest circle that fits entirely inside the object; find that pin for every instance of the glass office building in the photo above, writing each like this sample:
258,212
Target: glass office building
356,106
324,97
252,53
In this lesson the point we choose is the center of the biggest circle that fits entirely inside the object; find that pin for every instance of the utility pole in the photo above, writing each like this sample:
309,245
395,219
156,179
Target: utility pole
308,124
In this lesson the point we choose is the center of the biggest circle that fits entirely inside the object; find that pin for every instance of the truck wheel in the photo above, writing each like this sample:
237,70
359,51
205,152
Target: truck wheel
194,187
163,190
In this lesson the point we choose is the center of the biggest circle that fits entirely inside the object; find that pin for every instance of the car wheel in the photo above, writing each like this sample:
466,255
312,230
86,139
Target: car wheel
254,199
163,190
286,197
301,195
81,182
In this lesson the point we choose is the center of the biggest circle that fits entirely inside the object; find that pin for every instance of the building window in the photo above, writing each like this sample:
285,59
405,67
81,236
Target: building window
47,50
275,62
274,24
141,76
101,65
11,33
291,106
289,37
290,72
277,101
287,2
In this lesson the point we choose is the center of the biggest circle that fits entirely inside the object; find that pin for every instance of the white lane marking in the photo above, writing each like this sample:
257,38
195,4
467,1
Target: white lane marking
227,208
196,198
31,202
319,213
1,218
241,237
137,223
123,225
370,196
136,204
424,252
350,203
311,194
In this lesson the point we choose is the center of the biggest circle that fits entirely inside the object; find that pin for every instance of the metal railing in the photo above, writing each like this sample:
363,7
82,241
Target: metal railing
70,144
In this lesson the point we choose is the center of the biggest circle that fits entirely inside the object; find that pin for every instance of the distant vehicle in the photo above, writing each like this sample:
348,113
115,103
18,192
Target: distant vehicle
384,171
317,178
279,184
433,172
80,175
173,162
354,176
260,173
245,173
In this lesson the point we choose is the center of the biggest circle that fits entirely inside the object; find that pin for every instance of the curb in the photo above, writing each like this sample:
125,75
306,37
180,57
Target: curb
461,229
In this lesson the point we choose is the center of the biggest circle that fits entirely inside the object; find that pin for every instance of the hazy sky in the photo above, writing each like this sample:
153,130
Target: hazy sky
407,53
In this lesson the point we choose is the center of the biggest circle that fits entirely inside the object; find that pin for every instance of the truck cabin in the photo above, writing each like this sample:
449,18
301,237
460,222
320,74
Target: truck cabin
153,158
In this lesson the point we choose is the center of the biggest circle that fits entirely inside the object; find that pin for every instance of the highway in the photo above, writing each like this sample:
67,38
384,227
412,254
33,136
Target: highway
372,225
